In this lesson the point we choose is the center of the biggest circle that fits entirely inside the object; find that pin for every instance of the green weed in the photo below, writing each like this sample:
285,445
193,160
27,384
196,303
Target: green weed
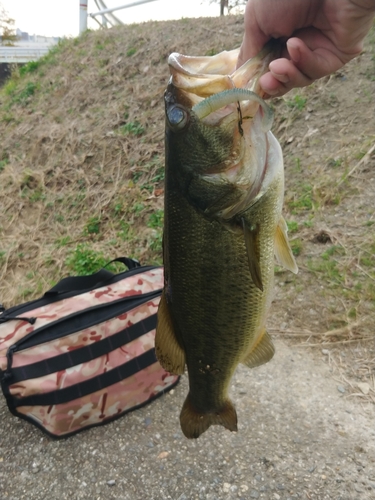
138,208
10,88
29,67
159,175
3,164
27,292
298,102
157,242
7,118
37,195
367,259
118,208
302,200
27,92
296,246
352,313
292,226
327,268
125,233
132,128
151,174
63,241
59,218
130,52
92,226
23,95
308,223
84,260
156,219
333,250
335,162
297,163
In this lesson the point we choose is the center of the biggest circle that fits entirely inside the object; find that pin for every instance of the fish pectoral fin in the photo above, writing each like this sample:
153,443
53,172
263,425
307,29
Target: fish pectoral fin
170,354
252,249
261,353
194,423
283,251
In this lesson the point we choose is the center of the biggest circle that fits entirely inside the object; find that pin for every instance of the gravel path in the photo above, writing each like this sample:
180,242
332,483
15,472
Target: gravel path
299,438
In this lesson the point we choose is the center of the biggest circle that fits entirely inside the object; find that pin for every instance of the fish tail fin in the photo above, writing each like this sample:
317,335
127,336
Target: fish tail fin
194,423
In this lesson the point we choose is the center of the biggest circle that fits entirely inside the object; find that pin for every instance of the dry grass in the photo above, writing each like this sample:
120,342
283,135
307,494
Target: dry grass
81,173
83,146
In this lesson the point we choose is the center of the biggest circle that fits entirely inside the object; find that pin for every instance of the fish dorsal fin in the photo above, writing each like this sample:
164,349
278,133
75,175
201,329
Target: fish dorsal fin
170,354
251,234
261,353
283,251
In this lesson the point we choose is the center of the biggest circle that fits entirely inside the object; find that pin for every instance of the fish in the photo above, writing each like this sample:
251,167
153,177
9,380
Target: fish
224,187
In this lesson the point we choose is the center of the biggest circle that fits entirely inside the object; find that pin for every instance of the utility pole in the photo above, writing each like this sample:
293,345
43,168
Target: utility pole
223,4
82,16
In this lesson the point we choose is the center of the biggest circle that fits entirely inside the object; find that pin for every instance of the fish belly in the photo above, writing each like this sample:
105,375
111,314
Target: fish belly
218,312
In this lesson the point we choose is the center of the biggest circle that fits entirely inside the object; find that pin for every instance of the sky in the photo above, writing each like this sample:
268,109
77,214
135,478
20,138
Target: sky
61,17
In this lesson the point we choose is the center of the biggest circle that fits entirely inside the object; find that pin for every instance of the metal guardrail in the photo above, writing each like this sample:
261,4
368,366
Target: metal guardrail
11,55
126,6
106,14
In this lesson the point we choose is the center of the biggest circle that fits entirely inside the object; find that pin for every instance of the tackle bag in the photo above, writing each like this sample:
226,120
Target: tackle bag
83,354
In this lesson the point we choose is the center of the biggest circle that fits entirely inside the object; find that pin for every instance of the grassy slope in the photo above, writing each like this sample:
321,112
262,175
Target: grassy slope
82,153
81,170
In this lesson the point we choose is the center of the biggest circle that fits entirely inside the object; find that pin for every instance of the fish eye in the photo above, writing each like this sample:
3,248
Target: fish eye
177,117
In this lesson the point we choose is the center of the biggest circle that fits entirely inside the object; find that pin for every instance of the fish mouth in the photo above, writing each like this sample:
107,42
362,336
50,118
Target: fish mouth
199,78
219,95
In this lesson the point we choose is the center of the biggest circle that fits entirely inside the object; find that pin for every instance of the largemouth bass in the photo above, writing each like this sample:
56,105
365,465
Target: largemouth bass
223,199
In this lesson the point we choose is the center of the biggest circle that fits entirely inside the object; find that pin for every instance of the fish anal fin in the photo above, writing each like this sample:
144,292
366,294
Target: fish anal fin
194,423
252,249
283,251
261,353
170,354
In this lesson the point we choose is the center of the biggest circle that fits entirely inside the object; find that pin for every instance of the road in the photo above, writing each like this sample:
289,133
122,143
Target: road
299,437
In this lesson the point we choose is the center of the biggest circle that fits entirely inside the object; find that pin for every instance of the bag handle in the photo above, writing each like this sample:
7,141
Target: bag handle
77,283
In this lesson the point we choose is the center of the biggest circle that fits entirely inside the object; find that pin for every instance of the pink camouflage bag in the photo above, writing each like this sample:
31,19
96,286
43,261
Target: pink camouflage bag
83,354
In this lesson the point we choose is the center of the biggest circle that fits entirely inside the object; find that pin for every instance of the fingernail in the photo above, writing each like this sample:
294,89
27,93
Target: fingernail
271,91
281,78
294,51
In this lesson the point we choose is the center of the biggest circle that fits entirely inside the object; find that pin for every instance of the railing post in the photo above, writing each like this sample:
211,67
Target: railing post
82,16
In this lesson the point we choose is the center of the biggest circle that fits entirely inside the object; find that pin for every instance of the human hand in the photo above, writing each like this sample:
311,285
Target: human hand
322,36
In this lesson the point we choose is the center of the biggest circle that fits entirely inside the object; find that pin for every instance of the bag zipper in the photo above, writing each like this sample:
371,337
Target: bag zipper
18,345
12,312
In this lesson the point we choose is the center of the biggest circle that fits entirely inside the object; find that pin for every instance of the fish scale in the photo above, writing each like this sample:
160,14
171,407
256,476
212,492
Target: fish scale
220,237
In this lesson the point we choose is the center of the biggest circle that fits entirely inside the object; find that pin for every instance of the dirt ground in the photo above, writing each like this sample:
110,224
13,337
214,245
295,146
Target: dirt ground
299,437
81,174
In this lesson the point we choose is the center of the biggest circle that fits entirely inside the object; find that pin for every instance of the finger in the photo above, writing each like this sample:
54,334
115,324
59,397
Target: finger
282,77
318,60
304,67
254,38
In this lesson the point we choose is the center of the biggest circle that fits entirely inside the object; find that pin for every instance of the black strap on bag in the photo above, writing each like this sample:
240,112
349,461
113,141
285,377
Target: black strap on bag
70,285
92,281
